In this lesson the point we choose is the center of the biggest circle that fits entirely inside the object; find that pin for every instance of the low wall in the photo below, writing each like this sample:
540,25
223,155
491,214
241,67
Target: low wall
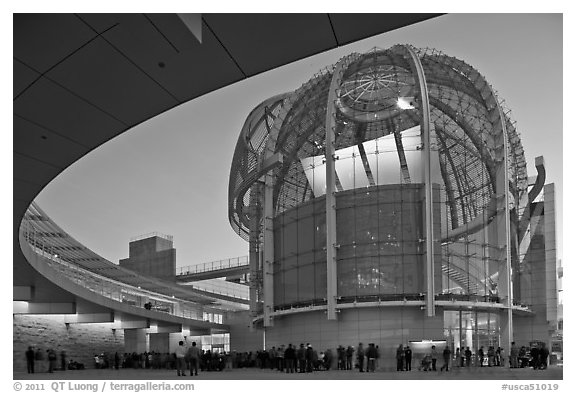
80,341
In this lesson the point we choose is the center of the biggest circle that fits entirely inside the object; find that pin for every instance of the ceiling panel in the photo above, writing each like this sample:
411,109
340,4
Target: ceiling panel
23,77
353,27
59,110
190,69
29,141
23,189
42,40
95,73
102,22
32,169
260,42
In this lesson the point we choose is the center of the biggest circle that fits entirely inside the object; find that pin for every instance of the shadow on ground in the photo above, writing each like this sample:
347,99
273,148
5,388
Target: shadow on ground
473,373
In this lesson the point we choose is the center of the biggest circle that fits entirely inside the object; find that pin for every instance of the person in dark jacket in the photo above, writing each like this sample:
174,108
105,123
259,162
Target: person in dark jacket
360,357
408,358
301,356
371,355
289,358
349,355
400,358
535,354
446,356
543,354
30,360
309,358
468,356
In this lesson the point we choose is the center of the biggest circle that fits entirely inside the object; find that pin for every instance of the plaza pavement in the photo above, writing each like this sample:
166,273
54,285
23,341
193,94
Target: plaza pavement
472,373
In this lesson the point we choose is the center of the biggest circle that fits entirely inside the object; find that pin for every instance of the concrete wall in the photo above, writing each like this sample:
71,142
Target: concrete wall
386,327
80,341
538,280
152,257
242,337
160,342
136,340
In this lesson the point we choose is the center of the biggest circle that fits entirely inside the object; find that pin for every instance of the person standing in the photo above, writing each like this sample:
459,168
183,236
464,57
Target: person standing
434,357
289,358
349,355
51,360
408,358
30,360
371,355
535,354
180,359
481,356
309,358
328,359
446,356
301,356
193,355
544,353
63,360
458,358
360,357
39,359
400,357
468,356
341,353
280,358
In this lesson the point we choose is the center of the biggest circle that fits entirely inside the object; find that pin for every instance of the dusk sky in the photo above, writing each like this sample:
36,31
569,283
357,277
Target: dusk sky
170,174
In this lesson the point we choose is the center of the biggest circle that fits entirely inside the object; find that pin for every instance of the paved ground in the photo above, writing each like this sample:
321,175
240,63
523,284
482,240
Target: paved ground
475,373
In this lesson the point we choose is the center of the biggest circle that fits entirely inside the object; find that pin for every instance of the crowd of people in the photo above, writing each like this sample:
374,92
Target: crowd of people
302,358
38,360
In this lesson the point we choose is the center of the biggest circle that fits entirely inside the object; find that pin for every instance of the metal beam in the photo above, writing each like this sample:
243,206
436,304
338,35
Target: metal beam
424,106
330,155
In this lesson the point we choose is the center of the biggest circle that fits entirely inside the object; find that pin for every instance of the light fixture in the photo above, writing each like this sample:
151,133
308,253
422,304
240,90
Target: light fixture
405,102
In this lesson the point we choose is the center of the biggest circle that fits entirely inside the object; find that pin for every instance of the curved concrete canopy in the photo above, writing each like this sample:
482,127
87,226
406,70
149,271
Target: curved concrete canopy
82,79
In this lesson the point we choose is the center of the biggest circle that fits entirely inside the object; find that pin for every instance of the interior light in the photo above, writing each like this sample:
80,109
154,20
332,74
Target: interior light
405,103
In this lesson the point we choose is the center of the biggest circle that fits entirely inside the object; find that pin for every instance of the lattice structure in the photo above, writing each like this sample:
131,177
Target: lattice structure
378,148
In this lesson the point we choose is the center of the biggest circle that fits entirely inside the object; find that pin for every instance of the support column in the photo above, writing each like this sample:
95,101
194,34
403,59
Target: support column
503,224
330,157
424,107
254,255
267,265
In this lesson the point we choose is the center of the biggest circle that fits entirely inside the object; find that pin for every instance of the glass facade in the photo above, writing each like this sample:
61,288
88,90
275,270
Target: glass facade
471,328
380,249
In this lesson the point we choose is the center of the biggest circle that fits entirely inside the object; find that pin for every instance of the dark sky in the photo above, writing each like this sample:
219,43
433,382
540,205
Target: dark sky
170,174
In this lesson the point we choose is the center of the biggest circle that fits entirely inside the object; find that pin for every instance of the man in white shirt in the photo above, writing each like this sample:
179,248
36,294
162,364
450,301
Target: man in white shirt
180,361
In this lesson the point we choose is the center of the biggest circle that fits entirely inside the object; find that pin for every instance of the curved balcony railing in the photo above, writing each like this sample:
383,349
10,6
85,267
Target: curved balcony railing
59,251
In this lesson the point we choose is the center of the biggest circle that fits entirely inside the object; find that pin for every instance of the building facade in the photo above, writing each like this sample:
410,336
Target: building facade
152,255
387,201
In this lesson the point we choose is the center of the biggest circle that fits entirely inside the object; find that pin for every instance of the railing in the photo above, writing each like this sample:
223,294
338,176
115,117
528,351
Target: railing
215,265
102,285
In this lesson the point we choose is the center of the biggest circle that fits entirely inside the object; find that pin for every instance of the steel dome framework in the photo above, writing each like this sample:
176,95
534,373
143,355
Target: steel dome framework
397,118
